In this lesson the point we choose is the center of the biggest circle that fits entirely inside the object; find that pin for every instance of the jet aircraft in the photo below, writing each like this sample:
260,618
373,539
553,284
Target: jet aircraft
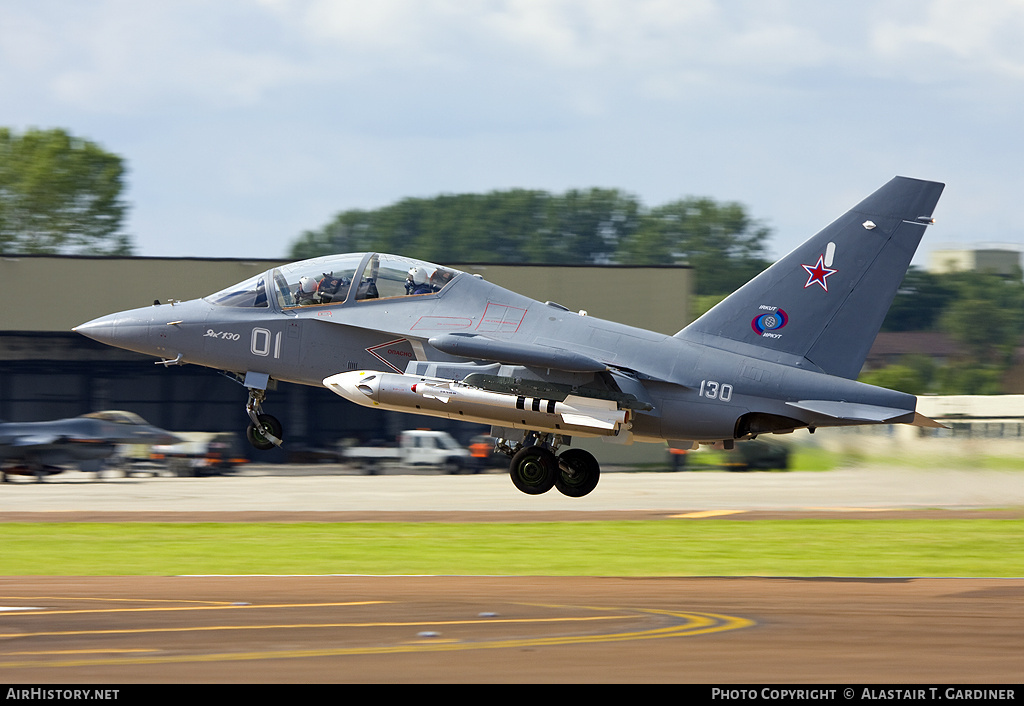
779,354
41,448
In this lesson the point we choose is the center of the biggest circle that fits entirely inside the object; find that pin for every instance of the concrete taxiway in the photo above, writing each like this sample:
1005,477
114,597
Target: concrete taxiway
334,489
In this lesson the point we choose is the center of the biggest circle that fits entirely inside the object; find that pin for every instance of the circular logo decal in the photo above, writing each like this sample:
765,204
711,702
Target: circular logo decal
771,321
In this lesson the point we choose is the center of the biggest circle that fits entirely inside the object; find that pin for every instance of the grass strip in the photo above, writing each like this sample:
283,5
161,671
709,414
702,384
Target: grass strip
805,547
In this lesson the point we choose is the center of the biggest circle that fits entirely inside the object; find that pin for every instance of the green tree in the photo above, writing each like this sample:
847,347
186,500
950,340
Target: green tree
969,379
719,240
920,301
897,377
586,227
987,315
581,226
60,194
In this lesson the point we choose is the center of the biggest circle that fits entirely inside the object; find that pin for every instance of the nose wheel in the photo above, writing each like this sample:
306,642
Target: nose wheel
264,431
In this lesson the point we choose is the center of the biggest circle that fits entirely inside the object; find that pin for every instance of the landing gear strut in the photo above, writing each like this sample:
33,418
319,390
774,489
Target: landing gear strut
535,469
265,431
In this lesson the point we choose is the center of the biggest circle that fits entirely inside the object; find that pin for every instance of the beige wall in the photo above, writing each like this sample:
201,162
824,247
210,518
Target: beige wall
58,293
1000,261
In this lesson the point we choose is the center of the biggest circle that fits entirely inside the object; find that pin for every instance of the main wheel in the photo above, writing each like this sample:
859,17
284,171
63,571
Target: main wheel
533,470
581,477
256,434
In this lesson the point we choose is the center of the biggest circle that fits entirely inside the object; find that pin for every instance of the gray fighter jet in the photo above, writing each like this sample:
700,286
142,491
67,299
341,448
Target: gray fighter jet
781,353
41,448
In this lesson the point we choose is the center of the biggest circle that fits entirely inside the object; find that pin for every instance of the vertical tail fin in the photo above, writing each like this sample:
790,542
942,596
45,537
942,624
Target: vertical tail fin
821,306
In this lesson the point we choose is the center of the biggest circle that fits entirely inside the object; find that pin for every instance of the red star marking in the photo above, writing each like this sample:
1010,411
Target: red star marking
818,273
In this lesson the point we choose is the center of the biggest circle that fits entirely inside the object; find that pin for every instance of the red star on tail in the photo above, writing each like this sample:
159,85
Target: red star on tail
818,273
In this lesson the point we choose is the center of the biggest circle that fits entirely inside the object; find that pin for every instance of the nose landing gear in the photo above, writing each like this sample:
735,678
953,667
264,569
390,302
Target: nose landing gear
265,431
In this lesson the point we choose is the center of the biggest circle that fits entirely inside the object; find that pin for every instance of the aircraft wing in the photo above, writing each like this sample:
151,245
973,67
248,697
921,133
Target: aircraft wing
513,353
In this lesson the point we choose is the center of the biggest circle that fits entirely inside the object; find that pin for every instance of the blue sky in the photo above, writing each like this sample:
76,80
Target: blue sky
246,122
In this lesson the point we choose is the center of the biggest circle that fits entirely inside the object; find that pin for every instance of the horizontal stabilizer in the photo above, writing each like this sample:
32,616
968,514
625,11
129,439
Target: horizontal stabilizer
851,411
922,421
512,353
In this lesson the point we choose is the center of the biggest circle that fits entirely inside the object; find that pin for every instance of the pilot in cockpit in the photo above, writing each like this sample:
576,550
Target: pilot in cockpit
306,292
418,281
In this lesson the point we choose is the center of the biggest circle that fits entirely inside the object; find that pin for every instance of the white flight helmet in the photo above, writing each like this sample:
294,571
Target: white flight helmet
417,275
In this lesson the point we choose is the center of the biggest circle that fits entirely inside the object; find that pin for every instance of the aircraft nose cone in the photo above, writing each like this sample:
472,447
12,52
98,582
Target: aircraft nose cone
126,330
101,329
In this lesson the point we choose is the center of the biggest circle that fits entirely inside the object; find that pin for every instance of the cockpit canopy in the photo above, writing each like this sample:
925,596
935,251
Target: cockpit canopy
336,279
117,416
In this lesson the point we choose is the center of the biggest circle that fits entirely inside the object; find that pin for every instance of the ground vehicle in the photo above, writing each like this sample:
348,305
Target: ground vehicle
417,447
200,454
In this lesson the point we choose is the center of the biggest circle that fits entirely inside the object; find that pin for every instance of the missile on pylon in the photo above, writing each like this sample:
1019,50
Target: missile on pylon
436,397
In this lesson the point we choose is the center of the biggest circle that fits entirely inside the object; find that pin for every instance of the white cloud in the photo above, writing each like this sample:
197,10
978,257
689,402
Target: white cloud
260,106
947,39
124,56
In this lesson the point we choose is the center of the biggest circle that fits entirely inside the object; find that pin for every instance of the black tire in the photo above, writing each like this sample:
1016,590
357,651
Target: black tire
586,472
533,470
256,437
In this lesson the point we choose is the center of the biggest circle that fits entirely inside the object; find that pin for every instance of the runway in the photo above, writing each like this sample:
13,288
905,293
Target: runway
488,629
464,629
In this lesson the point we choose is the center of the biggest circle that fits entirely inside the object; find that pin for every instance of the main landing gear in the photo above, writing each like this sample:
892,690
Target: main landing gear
535,469
265,431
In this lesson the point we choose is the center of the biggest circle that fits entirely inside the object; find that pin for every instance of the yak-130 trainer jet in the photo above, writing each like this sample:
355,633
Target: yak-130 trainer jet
779,354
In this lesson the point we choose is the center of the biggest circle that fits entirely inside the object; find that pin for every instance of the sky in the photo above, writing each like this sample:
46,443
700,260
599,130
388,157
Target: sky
244,123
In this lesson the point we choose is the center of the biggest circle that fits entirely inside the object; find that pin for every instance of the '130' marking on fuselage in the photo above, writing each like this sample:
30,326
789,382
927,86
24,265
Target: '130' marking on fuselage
715,391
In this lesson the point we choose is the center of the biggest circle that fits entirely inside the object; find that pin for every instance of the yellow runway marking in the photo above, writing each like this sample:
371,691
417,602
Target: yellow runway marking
225,606
111,600
690,625
706,513
210,628
111,650
431,641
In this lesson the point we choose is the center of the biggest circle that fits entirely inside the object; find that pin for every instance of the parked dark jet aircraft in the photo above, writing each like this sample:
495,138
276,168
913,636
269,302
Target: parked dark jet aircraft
41,448
781,353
